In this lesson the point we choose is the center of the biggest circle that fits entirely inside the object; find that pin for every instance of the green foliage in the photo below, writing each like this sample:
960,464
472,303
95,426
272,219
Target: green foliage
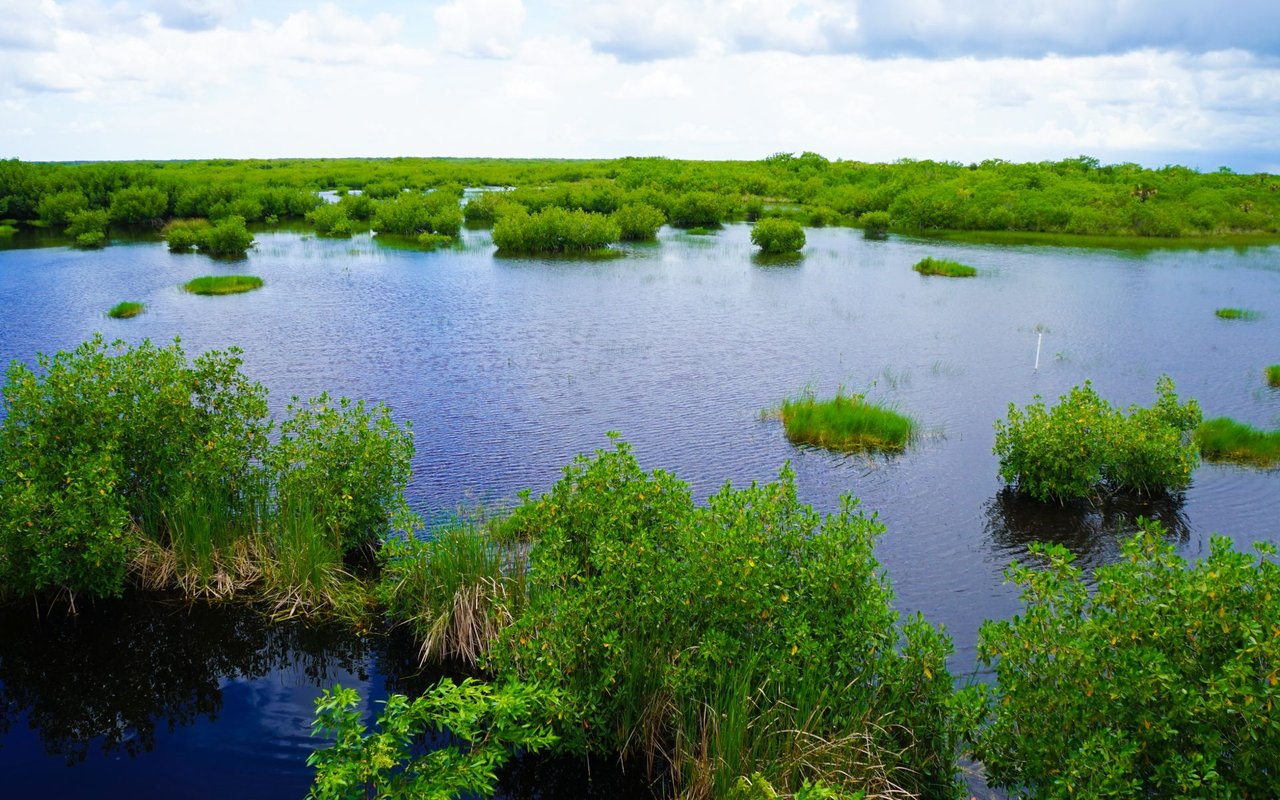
845,422
1236,313
485,207
126,309
1273,376
222,284
331,219
139,205
227,238
699,210
1083,447
412,214
1160,683
638,222
486,722
184,234
347,464
94,444
553,230
642,604
56,208
939,266
1224,439
774,236
88,228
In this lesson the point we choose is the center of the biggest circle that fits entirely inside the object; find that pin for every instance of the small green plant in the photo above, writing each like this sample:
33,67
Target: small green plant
1083,448
1273,376
1236,313
222,284
698,230
1224,439
1154,679
227,238
845,422
126,309
939,266
485,723
875,224
775,236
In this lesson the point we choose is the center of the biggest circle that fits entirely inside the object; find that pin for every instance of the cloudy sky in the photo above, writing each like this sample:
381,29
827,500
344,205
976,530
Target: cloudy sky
1194,82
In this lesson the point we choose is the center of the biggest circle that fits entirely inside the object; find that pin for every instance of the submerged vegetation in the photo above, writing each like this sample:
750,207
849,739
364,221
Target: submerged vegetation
222,284
1273,376
1083,448
1235,313
126,310
845,422
939,266
1224,439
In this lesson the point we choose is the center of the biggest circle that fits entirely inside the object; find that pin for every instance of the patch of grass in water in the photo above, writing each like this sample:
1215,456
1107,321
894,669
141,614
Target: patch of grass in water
1273,376
847,423
700,231
948,269
126,310
1236,313
1224,439
1133,243
222,284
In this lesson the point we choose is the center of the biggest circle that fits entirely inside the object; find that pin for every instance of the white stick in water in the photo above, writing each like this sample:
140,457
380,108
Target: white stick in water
1039,338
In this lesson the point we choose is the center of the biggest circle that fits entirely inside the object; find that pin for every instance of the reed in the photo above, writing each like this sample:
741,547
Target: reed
948,269
846,423
1224,439
222,284
126,310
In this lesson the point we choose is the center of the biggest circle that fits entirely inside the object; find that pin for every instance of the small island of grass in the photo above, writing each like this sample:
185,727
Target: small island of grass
948,269
1235,313
126,310
1224,439
845,423
222,284
1273,376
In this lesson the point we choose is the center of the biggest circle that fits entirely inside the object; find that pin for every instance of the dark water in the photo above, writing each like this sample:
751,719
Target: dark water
509,367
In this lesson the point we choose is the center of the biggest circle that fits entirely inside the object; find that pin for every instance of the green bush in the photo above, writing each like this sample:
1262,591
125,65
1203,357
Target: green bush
553,230
1160,682
412,214
139,205
699,210
88,228
330,219
1083,448
184,234
751,627
485,207
774,236
56,208
1273,376
227,238
99,440
347,464
485,723
638,222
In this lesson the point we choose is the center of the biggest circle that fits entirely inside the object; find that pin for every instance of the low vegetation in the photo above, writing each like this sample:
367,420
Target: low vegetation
777,236
553,230
1235,313
126,310
1155,679
939,266
638,222
875,224
222,284
1224,439
845,422
1273,376
1083,448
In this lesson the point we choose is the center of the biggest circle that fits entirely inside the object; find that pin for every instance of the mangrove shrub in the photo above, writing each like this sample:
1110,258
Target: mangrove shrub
553,230
638,222
88,228
1161,682
228,238
1083,447
774,236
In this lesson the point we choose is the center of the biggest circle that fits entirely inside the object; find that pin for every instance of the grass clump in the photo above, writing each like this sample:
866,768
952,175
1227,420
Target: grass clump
222,284
948,269
1224,439
1273,376
126,310
846,423
776,236
1236,313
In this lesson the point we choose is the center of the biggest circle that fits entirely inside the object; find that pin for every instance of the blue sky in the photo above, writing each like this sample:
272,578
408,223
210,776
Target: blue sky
1174,81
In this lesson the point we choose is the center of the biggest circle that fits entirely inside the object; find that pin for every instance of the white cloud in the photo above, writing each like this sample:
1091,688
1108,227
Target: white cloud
484,28
28,25
193,15
657,83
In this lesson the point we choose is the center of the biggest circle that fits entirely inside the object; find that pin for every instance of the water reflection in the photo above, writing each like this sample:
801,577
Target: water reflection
1094,534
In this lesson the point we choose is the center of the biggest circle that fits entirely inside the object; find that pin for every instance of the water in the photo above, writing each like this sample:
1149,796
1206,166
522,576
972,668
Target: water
507,368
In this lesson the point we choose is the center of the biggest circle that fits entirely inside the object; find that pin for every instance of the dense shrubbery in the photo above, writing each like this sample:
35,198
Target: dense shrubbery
331,219
638,222
412,214
227,238
139,205
1083,447
184,234
88,228
729,638
119,458
553,230
699,210
775,236
1161,682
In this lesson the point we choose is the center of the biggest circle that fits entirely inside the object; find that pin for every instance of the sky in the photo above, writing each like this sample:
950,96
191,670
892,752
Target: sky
1191,82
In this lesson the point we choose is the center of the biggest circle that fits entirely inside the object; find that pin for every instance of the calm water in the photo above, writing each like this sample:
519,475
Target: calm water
507,368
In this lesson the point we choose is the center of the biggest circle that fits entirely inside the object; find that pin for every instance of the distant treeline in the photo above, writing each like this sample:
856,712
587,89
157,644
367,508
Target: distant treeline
1073,196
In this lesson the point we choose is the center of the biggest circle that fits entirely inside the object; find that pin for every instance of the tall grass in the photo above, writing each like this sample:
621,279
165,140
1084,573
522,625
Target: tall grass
939,266
126,310
304,569
1273,376
222,284
1235,313
846,422
455,591
1224,439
